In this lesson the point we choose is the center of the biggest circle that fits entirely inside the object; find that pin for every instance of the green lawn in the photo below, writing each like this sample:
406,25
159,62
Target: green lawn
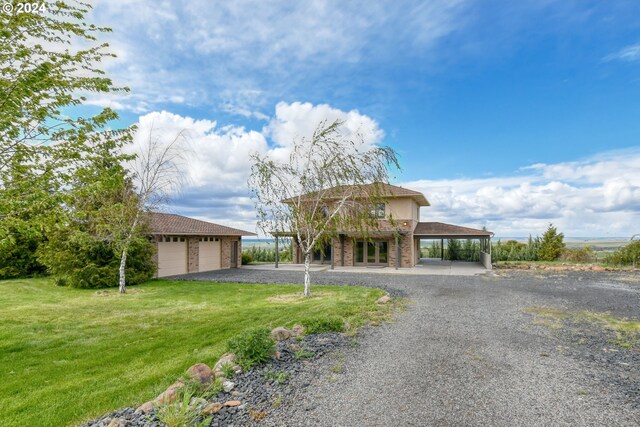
67,355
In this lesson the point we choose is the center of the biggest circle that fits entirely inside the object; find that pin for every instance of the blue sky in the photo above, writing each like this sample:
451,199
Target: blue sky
506,114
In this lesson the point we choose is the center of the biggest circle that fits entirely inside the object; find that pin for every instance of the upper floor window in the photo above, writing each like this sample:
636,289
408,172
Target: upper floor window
378,211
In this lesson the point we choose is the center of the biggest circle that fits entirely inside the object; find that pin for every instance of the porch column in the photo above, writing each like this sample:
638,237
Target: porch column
441,249
397,251
277,252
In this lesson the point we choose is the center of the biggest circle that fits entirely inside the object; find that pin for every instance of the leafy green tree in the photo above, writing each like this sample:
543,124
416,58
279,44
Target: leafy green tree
42,141
454,249
85,251
551,245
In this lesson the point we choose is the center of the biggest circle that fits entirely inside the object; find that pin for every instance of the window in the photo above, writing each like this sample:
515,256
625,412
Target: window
377,211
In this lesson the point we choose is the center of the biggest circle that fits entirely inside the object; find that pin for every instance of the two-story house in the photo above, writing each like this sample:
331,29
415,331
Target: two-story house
396,242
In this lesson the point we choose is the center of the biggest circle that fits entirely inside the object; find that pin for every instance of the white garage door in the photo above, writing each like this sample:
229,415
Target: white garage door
172,257
209,254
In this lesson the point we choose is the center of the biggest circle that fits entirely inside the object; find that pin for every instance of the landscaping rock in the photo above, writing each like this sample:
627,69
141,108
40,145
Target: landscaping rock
212,408
198,402
169,395
383,299
228,386
298,330
232,403
281,334
118,422
224,359
145,407
201,372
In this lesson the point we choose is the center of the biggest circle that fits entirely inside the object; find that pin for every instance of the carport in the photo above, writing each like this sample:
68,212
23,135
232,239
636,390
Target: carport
442,231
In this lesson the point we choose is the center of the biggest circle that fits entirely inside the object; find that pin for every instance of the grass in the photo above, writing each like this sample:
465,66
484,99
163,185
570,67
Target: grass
68,355
627,331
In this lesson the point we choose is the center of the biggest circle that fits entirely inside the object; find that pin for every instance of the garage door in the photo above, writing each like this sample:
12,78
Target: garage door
209,254
172,257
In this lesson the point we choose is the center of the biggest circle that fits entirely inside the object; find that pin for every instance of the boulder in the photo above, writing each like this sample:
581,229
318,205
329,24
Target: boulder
281,334
201,373
297,330
224,359
383,299
212,408
227,358
228,386
118,422
231,403
169,395
145,407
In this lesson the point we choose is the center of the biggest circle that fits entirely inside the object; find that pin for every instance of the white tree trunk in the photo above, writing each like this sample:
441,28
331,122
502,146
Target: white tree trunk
307,279
123,264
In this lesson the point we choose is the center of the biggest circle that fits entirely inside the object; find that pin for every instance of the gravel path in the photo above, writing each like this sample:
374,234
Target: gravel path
467,353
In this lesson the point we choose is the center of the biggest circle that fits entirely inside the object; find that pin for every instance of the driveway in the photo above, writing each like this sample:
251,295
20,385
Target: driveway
468,352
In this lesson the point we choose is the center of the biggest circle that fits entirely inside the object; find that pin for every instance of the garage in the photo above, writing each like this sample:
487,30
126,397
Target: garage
172,256
209,254
187,245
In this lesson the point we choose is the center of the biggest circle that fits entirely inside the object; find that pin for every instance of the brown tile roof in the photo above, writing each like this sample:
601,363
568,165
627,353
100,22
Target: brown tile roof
440,229
163,223
389,191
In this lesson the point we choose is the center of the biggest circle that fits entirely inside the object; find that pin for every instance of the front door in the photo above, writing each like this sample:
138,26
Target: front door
372,252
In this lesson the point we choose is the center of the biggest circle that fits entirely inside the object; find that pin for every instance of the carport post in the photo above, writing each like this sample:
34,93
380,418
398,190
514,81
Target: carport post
331,254
277,252
441,249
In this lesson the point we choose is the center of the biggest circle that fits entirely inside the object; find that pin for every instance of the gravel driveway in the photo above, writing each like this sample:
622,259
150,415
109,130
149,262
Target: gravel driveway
467,352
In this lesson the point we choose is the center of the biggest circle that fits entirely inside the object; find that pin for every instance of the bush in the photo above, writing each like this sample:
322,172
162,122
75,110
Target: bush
79,260
18,254
252,347
628,255
318,325
246,258
577,255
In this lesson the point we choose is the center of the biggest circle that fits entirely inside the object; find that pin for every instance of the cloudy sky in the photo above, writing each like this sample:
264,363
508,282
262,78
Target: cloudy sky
509,115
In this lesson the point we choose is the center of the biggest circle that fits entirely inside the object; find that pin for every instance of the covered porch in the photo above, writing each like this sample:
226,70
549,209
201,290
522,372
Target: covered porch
441,231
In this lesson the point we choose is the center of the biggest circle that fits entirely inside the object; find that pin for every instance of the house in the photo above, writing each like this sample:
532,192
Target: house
395,243
187,245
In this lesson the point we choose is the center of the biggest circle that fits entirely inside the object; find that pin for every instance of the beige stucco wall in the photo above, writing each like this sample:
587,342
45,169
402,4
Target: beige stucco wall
403,208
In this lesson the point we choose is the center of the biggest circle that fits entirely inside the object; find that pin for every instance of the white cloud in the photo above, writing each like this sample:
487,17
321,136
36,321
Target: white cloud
629,53
218,164
598,196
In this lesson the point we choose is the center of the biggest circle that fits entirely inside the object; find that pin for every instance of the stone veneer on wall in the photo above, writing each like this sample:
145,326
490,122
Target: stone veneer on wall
193,253
408,254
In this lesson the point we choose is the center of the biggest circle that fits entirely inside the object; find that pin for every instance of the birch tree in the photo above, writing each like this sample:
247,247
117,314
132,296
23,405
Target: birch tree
157,172
328,184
